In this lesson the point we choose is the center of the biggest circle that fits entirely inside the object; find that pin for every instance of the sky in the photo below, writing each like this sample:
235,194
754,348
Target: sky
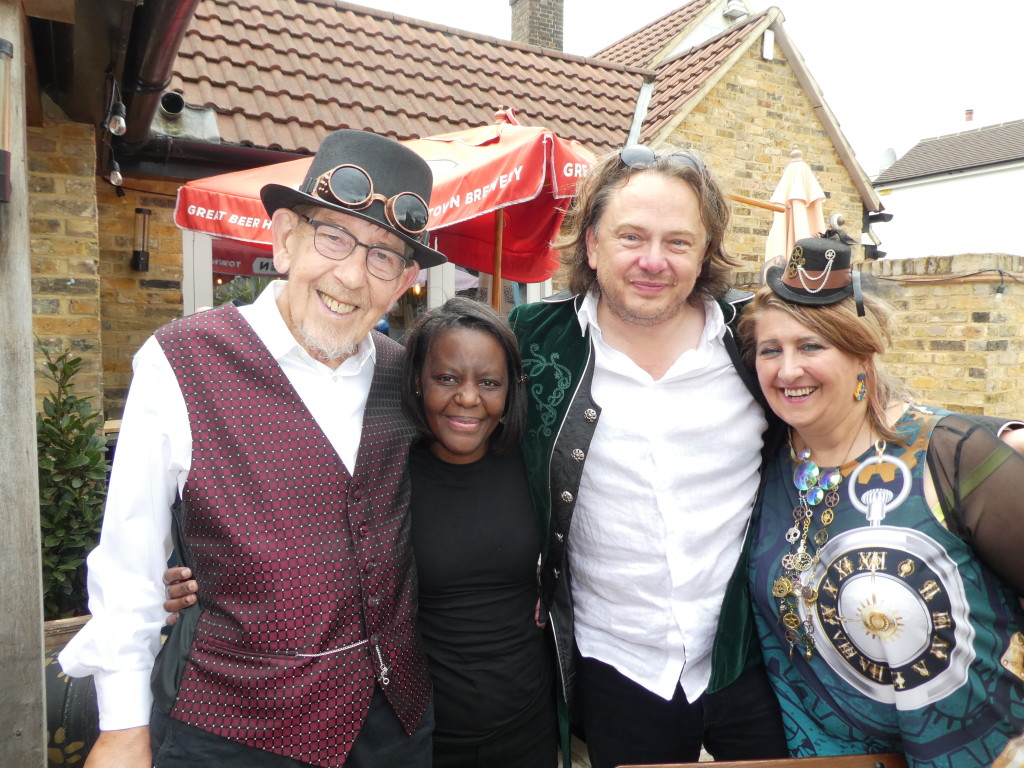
892,71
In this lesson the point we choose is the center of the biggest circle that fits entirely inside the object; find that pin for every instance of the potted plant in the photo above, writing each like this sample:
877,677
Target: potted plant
73,470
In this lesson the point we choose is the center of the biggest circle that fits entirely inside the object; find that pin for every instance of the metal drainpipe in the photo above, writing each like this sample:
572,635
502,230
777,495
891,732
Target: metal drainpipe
157,32
643,101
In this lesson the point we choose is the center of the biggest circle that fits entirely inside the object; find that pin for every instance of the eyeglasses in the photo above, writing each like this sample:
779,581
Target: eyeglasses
337,244
641,158
352,187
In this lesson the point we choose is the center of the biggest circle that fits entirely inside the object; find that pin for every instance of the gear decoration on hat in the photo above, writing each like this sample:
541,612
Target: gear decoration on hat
796,261
891,614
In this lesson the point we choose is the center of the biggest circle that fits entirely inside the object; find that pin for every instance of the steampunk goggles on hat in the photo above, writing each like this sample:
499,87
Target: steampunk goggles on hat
351,187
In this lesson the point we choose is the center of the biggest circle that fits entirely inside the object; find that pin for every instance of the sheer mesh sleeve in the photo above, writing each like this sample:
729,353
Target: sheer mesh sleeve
980,484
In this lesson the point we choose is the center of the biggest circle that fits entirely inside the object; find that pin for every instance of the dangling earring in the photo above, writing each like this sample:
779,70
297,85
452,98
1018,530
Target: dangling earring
862,387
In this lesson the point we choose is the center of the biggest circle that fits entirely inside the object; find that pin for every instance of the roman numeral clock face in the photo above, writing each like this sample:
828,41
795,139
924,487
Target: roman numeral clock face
890,615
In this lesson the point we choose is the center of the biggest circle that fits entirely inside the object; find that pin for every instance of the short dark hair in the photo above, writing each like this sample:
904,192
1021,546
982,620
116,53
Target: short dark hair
609,175
461,312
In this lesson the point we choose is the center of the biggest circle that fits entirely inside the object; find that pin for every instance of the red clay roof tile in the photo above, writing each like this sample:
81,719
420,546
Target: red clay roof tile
683,76
280,74
641,48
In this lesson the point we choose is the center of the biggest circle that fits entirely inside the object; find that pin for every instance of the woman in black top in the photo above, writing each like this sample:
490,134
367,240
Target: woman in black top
476,540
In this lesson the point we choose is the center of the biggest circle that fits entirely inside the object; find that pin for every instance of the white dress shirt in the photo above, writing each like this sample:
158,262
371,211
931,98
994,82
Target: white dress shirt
662,510
154,452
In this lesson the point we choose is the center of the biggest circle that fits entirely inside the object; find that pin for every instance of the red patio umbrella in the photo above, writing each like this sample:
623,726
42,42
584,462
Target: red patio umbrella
499,196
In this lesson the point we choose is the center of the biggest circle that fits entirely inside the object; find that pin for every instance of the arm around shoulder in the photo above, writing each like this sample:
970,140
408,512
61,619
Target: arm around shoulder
979,481
129,748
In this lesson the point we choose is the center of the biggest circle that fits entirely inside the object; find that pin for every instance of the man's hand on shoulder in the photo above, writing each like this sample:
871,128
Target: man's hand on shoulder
128,748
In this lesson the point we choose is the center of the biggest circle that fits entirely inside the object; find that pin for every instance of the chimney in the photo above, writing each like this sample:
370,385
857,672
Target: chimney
969,115
537,22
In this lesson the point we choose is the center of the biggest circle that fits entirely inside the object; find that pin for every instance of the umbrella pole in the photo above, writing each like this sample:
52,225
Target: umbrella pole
499,226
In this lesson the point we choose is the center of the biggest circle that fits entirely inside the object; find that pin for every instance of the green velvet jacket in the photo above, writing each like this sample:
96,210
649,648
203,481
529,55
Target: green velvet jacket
562,416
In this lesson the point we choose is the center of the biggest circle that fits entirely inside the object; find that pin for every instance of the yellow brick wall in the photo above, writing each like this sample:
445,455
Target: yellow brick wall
84,294
64,247
746,127
959,343
134,304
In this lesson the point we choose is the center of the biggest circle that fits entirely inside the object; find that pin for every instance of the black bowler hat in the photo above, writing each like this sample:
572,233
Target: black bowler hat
818,272
393,169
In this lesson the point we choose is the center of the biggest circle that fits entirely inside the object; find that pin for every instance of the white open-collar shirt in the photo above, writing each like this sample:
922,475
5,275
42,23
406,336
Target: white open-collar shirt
663,508
154,453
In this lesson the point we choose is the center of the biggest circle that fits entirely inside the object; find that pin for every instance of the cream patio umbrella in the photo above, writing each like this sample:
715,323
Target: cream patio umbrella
802,196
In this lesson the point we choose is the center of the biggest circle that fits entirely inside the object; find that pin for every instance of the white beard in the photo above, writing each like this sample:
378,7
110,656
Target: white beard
318,343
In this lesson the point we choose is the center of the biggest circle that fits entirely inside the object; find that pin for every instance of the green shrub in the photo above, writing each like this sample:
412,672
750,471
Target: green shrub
73,471
244,288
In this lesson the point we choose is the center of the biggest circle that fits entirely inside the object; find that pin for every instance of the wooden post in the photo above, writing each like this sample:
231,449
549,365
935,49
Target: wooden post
22,722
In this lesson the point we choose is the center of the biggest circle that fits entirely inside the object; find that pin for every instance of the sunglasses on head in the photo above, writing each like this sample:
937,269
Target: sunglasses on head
640,158
351,187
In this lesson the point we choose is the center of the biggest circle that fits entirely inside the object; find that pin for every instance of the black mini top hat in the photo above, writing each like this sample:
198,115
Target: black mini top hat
393,169
818,272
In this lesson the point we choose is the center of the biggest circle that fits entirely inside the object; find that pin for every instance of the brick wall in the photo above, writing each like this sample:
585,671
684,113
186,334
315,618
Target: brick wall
745,127
84,295
959,342
537,22
65,250
134,304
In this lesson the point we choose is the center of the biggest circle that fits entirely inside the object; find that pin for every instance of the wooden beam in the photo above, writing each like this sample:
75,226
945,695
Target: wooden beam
22,719
51,10
33,93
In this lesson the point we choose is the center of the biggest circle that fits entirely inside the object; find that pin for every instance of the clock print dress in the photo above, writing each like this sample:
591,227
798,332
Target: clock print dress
914,616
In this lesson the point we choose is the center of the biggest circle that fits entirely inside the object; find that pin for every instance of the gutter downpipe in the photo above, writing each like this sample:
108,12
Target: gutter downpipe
157,34
643,102
196,159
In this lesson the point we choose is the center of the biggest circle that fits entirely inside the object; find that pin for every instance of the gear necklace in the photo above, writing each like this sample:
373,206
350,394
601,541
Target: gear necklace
814,485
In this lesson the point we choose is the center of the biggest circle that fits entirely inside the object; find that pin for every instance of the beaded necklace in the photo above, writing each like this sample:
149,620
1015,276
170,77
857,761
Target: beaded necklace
813,485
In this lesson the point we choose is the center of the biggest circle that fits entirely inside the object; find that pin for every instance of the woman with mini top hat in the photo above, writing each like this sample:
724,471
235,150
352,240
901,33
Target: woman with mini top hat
885,561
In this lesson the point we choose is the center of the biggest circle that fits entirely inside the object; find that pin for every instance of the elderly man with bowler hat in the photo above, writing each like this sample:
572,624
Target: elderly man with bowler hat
643,447
267,442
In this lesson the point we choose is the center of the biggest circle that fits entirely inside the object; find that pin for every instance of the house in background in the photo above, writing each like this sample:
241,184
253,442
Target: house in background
217,85
956,194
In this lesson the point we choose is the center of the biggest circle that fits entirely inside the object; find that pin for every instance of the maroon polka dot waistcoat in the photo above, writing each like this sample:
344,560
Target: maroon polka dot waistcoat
305,572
